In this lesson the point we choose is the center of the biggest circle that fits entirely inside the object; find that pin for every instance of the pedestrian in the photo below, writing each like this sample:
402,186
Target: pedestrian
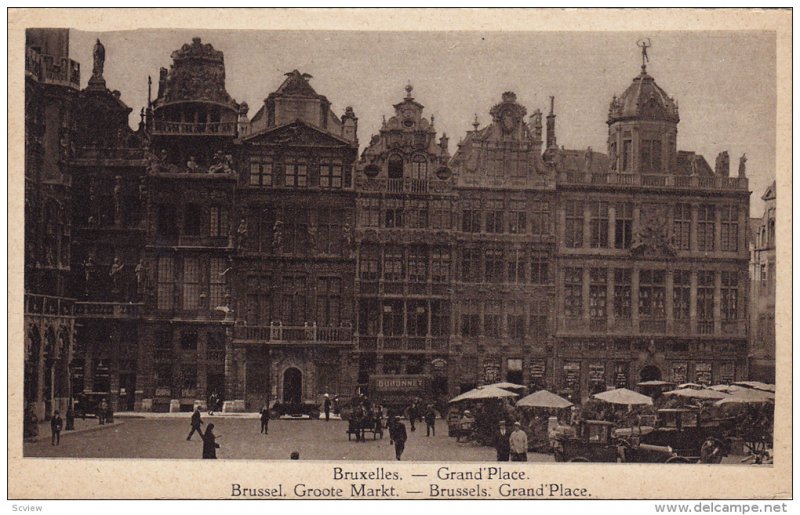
31,424
378,416
430,421
70,419
210,444
518,443
102,408
413,414
390,422
501,442
398,435
326,405
55,427
196,423
264,419
212,402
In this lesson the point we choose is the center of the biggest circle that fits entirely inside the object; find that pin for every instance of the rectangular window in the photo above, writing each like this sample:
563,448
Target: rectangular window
329,301
440,272
651,294
573,292
599,224
259,300
167,224
705,227
540,218
330,174
517,217
166,283
218,224
393,264
627,165
293,300
417,214
623,229
471,216
368,264
491,319
573,235
191,283
598,291
192,219
392,318
296,172
540,273
369,212
189,340
260,173
539,318
682,225
516,266
440,318
705,301
216,282
417,265
417,318
681,292
494,265
441,214
470,265
494,216
470,325
729,232
730,295
650,152
393,212
516,326
622,293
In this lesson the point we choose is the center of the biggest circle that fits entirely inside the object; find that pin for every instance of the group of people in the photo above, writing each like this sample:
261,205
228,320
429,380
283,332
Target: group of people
365,417
210,444
511,445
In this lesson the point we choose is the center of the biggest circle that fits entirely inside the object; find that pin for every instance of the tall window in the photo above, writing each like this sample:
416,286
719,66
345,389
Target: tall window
650,153
217,271
540,273
296,171
440,260
494,216
705,227
192,219
392,318
440,318
166,283
393,212
393,264
471,216
259,300
515,321
491,319
598,292
260,173
730,295
470,320
516,266
470,265
623,229
517,218
539,317
417,265
329,301
622,293
330,174
369,212
627,163
417,214
599,224
573,234
729,232
682,225
705,301
368,264
419,168
540,218
494,265
441,214
681,292
395,167
218,224
191,283
573,292
293,300
651,294
417,318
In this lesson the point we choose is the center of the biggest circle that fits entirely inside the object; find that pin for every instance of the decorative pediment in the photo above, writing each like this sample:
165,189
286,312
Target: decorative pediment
297,133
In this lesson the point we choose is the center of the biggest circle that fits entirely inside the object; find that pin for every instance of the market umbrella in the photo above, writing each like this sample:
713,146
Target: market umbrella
655,383
543,399
483,392
697,394
691,385
747,397
757,385
623,396
727,388
508,386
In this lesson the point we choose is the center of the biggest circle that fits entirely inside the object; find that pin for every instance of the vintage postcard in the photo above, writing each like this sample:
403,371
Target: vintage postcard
399,254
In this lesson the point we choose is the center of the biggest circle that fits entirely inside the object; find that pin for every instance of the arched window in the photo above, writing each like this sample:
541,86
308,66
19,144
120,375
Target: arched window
419,168
395,167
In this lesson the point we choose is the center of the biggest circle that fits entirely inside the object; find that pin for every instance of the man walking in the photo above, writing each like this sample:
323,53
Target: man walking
196,423
327,407
430,421
501,442
55,427
398,435
264,419
518,444
413,414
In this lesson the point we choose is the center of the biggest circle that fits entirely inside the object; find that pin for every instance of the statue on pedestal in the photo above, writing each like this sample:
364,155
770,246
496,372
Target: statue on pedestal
742,166
99,59
277,237
116,274
118,200
89,268
241,234
141,278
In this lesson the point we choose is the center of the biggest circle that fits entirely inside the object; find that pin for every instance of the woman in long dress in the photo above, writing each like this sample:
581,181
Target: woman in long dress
210,444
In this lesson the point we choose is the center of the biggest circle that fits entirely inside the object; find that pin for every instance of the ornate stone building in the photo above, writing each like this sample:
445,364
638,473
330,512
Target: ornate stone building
405,246
762,288
504,230
652,256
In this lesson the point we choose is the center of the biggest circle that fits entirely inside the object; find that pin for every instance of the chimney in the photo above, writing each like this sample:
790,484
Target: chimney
551,125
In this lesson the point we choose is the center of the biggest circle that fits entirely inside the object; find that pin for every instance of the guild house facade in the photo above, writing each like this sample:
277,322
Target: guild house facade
261,257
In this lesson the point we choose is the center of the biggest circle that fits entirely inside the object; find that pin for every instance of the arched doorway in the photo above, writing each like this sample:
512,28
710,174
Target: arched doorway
650,373
292,386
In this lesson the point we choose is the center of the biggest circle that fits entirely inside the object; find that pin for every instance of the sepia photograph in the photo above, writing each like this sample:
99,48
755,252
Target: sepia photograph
452,247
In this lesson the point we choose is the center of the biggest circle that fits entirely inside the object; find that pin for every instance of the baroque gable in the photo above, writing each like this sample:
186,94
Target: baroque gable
297,133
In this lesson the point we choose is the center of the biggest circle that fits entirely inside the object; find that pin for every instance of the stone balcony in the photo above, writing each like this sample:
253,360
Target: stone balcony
280,335
404,185
168,128
51,70
111,310
578,326
665,181
403,343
